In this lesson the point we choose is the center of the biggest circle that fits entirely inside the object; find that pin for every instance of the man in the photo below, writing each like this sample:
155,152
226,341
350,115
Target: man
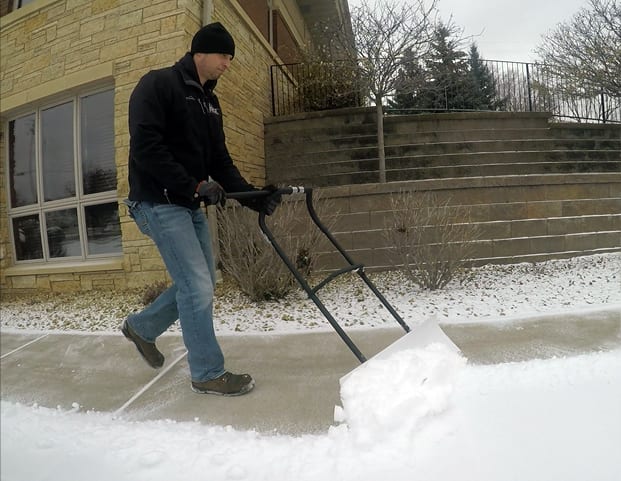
177,158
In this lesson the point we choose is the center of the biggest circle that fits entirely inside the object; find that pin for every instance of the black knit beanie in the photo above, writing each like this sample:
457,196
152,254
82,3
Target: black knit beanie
213,38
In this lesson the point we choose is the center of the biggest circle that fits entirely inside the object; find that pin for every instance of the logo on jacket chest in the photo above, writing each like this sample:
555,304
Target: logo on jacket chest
206,107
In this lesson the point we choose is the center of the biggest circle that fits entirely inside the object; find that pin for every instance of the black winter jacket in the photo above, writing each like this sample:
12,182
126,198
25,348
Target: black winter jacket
177,138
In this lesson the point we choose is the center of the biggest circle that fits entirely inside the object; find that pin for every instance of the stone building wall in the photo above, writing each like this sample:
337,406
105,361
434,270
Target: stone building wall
53,47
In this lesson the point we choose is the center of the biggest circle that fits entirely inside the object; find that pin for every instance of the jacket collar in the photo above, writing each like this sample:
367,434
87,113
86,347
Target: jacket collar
187,68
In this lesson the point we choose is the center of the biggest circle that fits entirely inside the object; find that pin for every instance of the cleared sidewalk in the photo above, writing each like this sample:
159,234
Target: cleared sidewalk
297,375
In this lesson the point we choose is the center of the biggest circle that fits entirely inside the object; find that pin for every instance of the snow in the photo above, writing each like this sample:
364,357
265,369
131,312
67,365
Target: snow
555,419
490,292
410,386
423,413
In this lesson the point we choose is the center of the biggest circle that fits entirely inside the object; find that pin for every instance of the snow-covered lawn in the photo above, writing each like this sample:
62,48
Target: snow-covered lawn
417,415
493,292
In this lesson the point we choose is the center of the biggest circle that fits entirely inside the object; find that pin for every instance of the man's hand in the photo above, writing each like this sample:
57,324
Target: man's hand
269,203
211,192
266,204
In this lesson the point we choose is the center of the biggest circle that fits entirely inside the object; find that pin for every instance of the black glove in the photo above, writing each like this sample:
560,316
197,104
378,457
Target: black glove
271,201
211,192
266,204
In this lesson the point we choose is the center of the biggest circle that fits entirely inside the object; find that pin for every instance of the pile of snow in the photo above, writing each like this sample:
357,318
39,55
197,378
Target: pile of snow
396,395
555,419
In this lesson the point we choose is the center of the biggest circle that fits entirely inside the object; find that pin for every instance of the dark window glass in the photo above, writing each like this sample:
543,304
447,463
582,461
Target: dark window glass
57,152
63,234
97,142
22,161
27,236
103,231
51,198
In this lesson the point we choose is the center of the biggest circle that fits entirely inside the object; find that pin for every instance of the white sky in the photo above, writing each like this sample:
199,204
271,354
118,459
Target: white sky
507,29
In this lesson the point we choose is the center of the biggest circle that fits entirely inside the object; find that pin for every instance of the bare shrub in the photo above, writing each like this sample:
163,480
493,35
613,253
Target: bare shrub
248,257
432,240
151,291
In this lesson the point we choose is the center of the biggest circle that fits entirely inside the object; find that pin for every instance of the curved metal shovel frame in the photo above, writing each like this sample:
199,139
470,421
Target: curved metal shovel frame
351,267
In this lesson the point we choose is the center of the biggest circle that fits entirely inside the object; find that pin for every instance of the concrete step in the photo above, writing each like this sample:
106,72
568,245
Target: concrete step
507,228
518,145
330,139
522,218
296,145
555,226
546,219
418,131
397,124
467,135
484,207
359,172
500,169
327,132
343,150
486,251
589,213
588,131
534,149
319,124
437,142
554,210
450,127
368,248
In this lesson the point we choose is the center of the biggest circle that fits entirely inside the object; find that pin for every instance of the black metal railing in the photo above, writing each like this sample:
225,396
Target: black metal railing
306,87
518,87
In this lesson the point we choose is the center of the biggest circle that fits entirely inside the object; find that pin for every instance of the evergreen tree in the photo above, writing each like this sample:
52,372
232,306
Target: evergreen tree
449,79
448,68
442,83
482,88
411,78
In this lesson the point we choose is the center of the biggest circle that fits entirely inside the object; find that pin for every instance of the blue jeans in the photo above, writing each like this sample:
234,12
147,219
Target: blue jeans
182,238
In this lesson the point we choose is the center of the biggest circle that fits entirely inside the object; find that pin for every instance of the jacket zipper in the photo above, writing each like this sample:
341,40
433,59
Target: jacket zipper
166,195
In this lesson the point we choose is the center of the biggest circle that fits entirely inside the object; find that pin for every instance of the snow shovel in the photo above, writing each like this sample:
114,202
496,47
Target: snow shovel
427,333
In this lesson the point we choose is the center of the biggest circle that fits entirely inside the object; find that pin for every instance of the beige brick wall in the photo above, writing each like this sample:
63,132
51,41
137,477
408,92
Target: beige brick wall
53,47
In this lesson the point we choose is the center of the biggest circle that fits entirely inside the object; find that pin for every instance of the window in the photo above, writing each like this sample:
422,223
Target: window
22,3
273,27
259,11
62,181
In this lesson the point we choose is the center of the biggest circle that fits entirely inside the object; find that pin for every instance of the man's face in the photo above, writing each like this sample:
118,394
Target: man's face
211,65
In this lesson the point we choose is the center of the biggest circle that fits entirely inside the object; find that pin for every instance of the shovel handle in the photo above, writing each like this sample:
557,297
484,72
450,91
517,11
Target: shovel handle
255,194
312,293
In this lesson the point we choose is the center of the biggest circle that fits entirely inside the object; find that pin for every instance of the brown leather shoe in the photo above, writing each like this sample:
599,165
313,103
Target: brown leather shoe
147,350
226,385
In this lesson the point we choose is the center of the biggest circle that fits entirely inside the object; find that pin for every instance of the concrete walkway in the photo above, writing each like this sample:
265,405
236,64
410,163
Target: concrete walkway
297,375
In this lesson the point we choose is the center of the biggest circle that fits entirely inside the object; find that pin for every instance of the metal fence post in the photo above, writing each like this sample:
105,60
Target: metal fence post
530,95
273,90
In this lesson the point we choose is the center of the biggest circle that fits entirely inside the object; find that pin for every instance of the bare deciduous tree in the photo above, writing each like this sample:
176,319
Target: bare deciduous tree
386,34
586,51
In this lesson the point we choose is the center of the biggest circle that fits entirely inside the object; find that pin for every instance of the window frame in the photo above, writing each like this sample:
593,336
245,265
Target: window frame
19,4
79,201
